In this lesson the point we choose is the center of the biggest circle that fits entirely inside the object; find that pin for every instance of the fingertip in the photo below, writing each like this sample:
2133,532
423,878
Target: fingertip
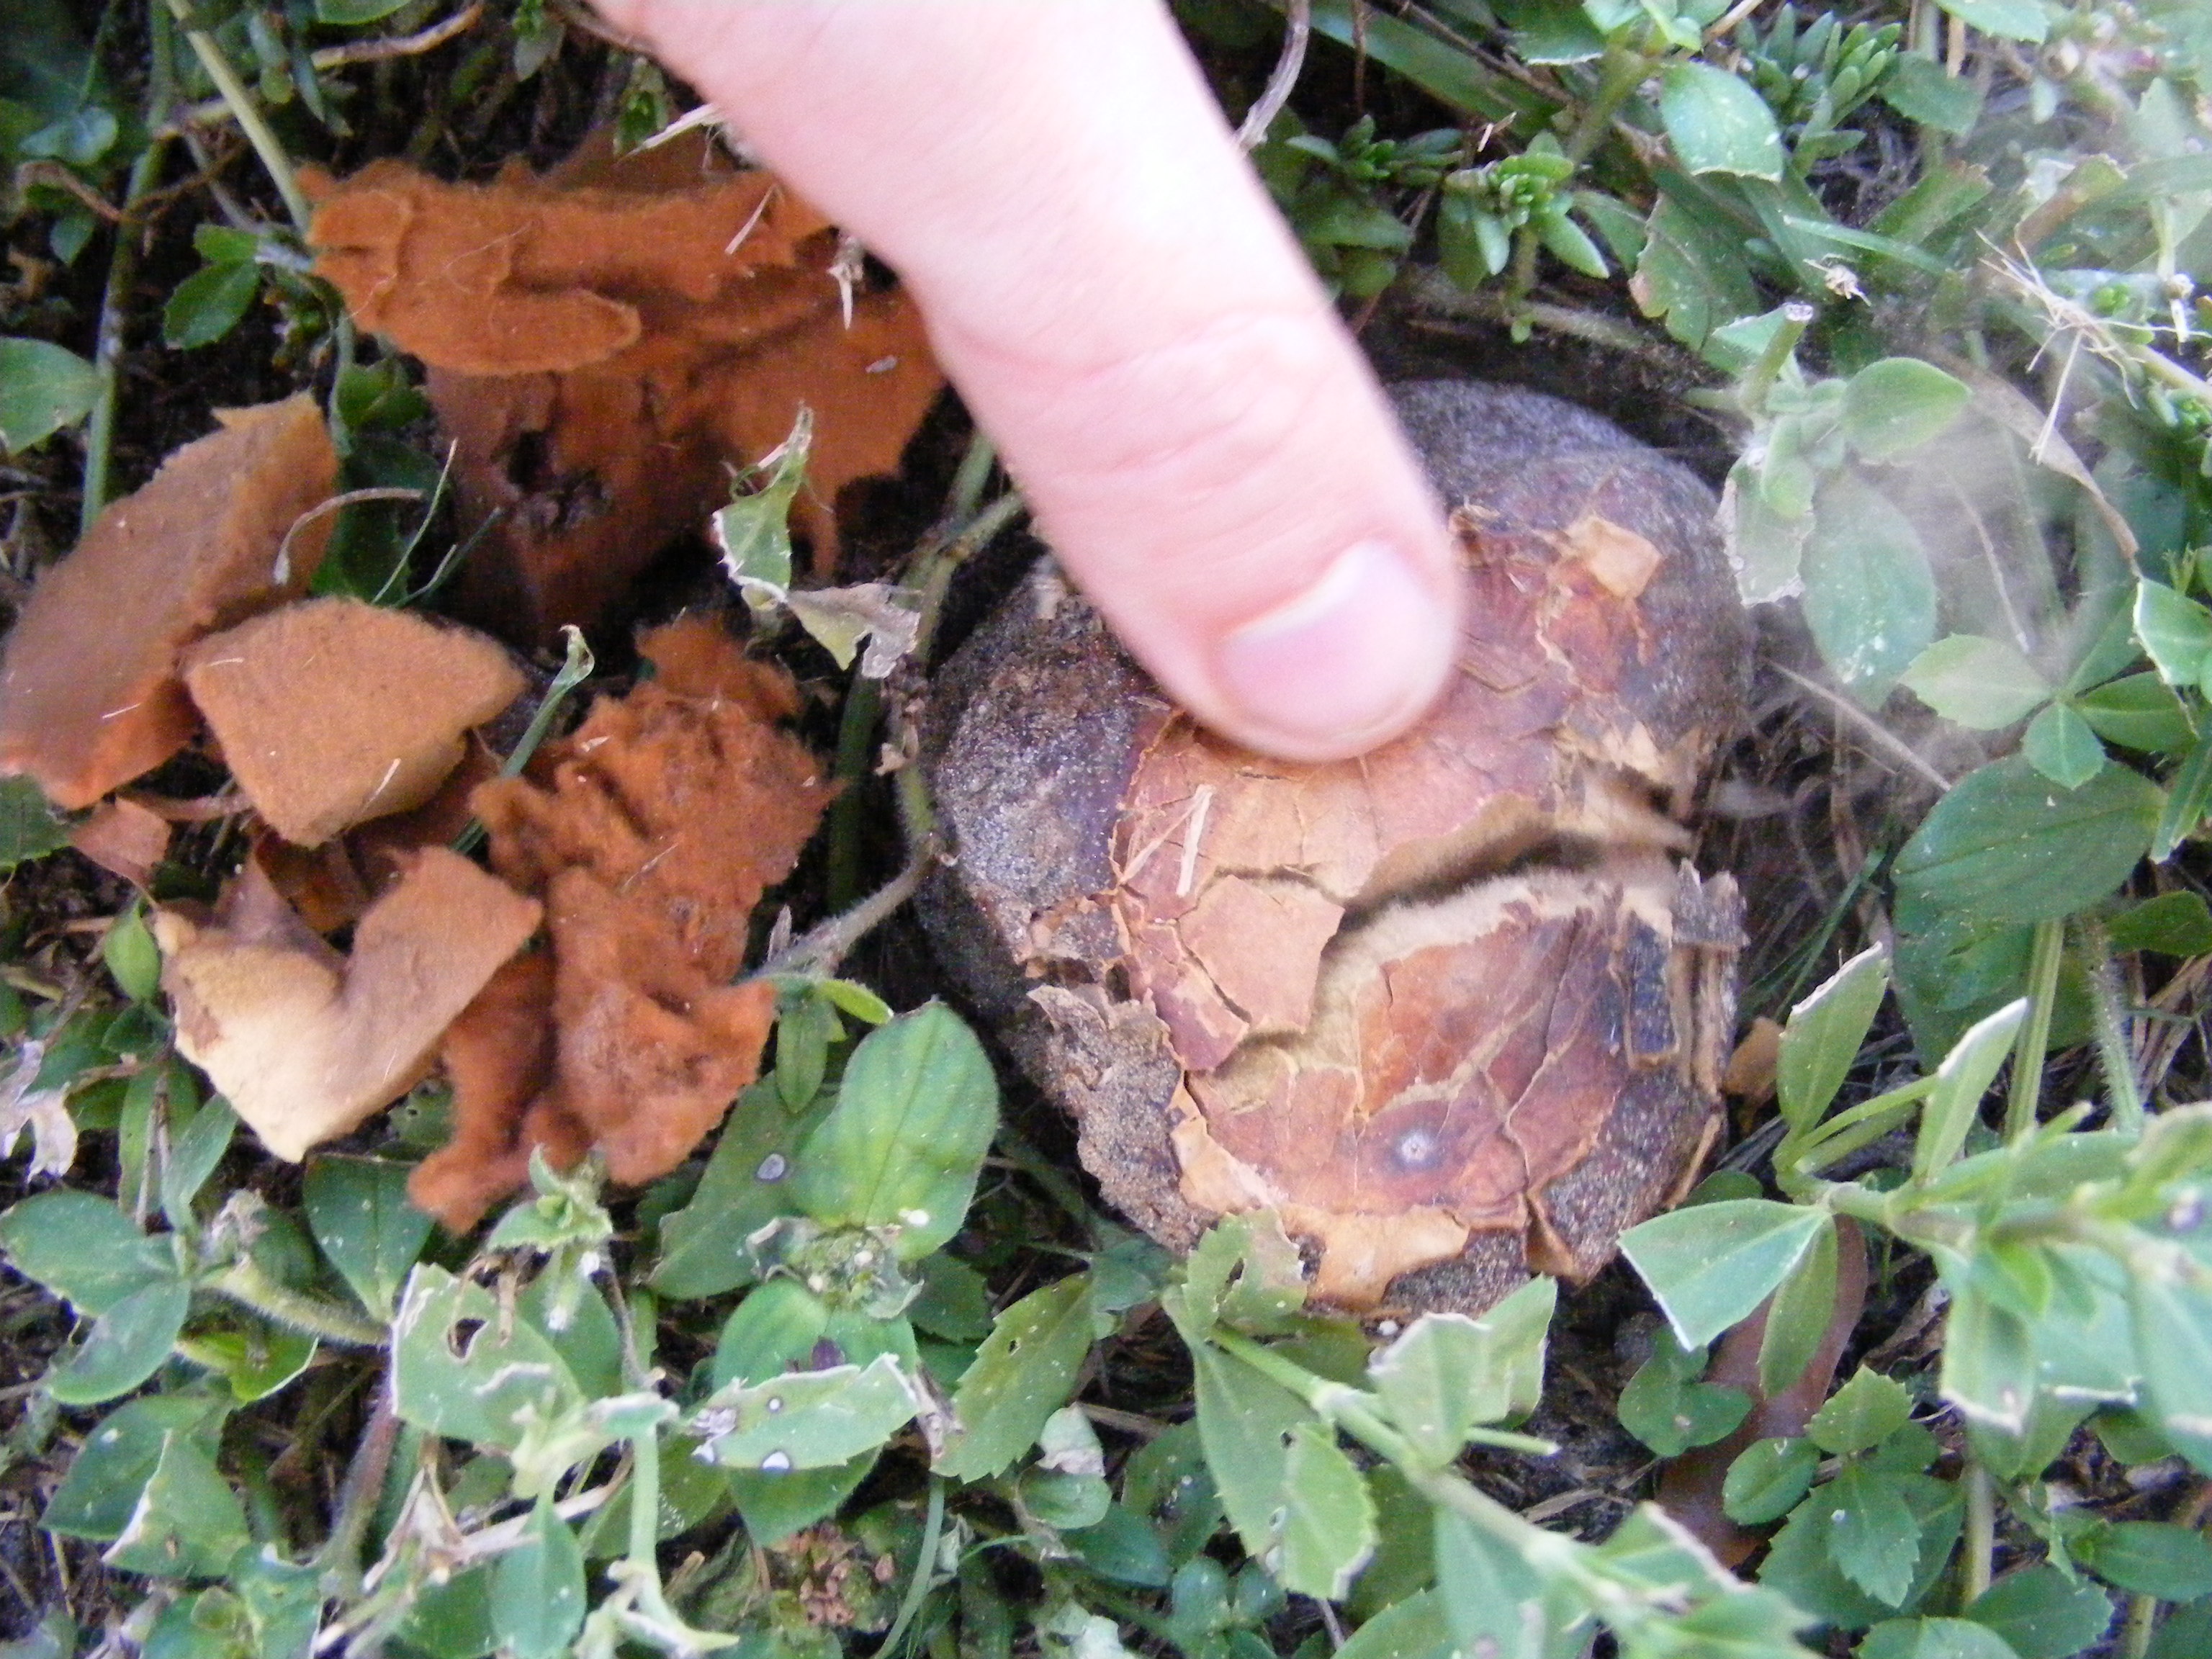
1350,662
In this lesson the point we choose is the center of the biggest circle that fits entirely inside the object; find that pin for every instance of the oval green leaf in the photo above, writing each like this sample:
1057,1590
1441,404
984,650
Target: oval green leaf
2008,845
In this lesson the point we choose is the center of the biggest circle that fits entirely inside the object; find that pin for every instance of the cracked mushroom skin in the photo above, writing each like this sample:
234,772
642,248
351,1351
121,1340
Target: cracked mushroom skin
1457,1009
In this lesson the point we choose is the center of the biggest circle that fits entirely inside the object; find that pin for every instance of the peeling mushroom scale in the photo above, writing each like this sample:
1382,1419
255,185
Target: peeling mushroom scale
1455,1010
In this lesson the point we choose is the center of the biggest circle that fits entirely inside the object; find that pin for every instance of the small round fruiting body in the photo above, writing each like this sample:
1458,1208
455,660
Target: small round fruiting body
1457,1009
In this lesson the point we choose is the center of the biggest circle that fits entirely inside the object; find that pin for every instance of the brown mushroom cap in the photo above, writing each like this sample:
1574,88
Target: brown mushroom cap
1450,1007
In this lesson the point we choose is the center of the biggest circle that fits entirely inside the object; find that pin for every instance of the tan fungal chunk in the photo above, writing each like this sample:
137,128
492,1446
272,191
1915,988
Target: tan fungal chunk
607,341
123,836
651,833
89,696
306,1042
334,711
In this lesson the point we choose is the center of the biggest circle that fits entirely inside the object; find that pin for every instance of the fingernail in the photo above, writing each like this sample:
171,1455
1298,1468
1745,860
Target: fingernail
1344,664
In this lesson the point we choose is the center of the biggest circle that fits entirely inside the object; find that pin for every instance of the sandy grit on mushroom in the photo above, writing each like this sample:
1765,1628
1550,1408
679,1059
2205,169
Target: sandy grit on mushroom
1456,1010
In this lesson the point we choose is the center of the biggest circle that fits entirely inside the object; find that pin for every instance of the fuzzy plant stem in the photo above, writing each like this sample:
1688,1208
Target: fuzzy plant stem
2034,1043
245,1283
1980,1544
339,1558
2124,1099
1623,71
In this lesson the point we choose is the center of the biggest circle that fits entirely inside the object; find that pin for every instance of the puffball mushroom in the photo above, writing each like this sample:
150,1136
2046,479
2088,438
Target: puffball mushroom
1458,1009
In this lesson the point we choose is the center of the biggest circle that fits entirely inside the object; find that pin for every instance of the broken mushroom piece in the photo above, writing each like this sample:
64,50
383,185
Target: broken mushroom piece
333,711
650,832
306,1043
1457,1009
89,697
607,341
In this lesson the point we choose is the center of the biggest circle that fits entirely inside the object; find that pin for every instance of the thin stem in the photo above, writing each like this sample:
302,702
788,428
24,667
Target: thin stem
107,352
245,1283
257,131
967,492
917,1588
1981,1533
821,948
1298,28
2123,1099
2142,1625
340,1558
856,733
933,571
1623,72
2034,1041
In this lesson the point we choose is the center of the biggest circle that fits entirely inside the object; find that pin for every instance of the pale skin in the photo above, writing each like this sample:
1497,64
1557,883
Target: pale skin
1109,286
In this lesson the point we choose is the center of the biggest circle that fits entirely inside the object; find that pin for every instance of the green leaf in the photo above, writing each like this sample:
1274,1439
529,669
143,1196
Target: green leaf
253,1356
1712,1265
1920,89
2042,1614
1872,1538
1246,1422
2186,1634
1893,407
2188,799
1571,245
208,304
537,1592
1870,595
777,1323
1982,683
2172,1320
775,1506
1767,1479
2008,845
43,389
1245,1274
1691,273
1948,1116
803,1032
353,12
1824,1036
83,1249
747,1185
29,826
1023,1373
125,1345
187,1522
1865,1412
2013,19
132,957
1800,1564
2152,1558
955,1304
1415,1628
1717,123
1328,1530
1933,1638
1446,1373
196,1146
99,1495
753,532
2172,923
358,1210
464,1367
904,1144
2061,744
1798,1318
1492,1599
1666,1408
2176,633
806,1419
